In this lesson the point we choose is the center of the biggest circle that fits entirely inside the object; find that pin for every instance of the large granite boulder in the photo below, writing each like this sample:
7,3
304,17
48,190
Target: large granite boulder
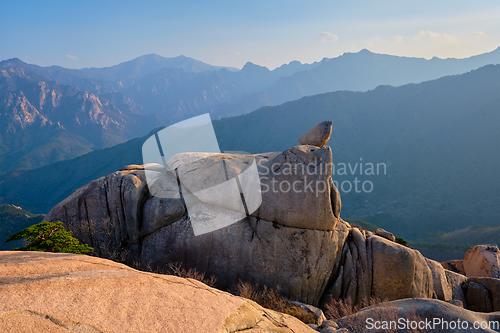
477,296
442,288
296,186
482,261
455,282
290,241
399,272
431,315
456,266
47,292
116,211
493,287
297,189
318,135
375,268
386,234
482,294
253,250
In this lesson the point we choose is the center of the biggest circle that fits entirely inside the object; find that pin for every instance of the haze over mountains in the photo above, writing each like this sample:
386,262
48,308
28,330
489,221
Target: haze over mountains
48,114
439,140
359,71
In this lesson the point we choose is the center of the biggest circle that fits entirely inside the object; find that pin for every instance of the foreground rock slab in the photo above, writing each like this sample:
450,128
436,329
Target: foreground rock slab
48,292
417,309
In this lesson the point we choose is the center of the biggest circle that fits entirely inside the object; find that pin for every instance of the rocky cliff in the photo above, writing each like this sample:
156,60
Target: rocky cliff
295,239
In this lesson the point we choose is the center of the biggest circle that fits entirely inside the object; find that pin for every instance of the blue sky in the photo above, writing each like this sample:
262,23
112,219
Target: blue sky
78,34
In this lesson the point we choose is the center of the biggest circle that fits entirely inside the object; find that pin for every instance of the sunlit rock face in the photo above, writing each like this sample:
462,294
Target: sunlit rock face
62,292
289,235
270,219
298,260
297,189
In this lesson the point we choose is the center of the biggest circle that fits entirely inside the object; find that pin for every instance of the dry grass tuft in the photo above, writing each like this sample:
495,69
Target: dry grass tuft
271,299
177,270
339,308
342,308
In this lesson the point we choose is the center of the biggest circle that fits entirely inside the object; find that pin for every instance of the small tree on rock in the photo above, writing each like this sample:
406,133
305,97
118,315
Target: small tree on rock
49,237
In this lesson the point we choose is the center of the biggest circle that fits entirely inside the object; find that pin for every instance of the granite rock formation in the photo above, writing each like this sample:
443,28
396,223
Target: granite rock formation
56,292
295,239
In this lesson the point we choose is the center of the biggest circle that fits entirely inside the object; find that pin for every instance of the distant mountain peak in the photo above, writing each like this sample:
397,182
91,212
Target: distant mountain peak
12,62
158,57
293,63
360,52
249,66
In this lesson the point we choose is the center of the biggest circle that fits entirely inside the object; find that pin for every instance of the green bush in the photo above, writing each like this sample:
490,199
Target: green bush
401,241
49,237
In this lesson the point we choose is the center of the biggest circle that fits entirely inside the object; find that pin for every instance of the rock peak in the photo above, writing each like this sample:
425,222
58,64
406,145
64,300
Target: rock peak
318,135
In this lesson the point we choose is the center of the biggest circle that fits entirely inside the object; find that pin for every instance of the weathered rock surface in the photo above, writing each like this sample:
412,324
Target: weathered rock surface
47,292
320,316
420,309
399,272
297,189
456,266
329,323
318,135
477,296
202,174
296,185
441,286
455,282
482,294
253,250
116,210
482,261
493,287
373,267
291,240
386,234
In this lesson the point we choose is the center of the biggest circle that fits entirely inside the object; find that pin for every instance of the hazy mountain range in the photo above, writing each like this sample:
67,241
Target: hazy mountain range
48,114
359,72
439,141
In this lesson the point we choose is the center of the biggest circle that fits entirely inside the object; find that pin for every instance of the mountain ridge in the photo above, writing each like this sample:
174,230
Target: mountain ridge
360,71
106,106
436,138
37,129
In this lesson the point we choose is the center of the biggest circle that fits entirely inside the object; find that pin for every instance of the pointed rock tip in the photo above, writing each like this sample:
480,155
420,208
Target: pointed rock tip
318,135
